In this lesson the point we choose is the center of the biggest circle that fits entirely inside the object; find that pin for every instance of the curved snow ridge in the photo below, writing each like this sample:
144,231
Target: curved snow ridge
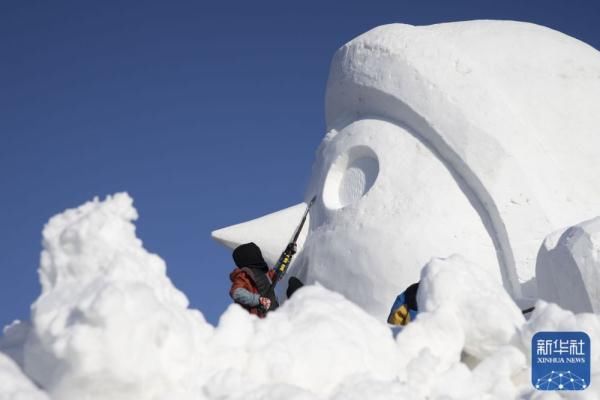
497,117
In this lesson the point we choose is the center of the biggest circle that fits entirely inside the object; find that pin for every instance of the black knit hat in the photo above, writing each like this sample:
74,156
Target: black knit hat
249,255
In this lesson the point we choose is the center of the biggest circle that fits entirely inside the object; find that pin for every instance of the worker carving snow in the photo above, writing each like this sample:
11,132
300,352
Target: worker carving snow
251,281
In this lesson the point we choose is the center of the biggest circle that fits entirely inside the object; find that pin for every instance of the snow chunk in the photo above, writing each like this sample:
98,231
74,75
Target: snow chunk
314,342
13,340
108,319
14,385
568,267
455,287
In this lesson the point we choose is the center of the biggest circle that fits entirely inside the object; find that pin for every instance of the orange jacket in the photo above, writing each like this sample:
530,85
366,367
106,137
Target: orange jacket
241,278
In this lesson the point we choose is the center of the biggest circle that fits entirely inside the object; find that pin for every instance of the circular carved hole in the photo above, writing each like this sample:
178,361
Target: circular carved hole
350,177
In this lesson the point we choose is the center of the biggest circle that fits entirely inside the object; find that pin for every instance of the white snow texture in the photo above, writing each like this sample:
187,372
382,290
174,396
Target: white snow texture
110,325
446,161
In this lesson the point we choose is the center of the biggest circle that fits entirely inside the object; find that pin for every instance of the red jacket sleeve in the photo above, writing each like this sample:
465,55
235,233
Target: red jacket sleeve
240,279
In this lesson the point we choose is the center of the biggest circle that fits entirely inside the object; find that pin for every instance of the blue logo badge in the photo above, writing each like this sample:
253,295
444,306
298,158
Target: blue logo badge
560,360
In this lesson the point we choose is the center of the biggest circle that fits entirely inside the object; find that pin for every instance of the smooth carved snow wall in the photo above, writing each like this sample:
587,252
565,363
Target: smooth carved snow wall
395,219
507,108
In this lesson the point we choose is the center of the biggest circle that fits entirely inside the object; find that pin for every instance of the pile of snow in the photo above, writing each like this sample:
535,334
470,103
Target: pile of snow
108,318
14,385
109,324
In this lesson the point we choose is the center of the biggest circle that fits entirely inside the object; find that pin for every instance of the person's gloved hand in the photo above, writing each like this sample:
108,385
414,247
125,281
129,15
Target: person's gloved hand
291,248
265,302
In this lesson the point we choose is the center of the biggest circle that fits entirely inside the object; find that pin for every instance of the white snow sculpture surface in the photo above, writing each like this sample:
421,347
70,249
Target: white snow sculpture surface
271,232
454,138
350,177
568,268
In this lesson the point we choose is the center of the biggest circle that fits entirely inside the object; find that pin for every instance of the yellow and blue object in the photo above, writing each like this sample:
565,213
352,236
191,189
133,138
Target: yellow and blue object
405,307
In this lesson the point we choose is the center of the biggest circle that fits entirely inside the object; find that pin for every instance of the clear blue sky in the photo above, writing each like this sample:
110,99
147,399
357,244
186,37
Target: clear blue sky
208,115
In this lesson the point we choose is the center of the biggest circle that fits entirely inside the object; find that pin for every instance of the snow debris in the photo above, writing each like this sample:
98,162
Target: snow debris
13,340
109,324
468,292
108,318
14,385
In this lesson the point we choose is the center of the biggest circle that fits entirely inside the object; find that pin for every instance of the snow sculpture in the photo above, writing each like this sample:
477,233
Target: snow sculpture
463,138
441,139
568,268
